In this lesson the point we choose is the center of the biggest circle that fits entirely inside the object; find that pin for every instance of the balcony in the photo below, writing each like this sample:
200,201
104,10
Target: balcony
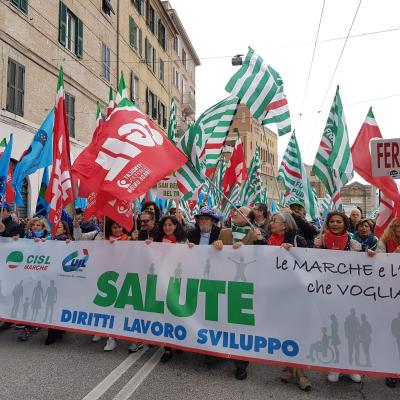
189,104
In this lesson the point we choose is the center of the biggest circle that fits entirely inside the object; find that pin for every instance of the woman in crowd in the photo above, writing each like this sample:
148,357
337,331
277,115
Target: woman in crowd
169,231
259,217
336,237
390,243
284,233
113,232
38,230
50,296
364,235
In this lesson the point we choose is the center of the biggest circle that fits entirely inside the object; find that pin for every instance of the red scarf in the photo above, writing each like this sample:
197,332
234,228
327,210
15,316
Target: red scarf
391,245
335,242
169,239
276,240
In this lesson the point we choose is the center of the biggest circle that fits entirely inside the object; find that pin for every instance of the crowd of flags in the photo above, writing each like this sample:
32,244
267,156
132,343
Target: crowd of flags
128,154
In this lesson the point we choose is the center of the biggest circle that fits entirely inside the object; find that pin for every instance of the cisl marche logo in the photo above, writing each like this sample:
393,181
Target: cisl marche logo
14,259
33,262
73,262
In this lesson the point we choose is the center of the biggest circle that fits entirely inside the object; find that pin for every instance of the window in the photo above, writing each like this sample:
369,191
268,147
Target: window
150,18
107,7
154,60
175,77
15,87
152,104
140,43
164,115
105,62
70,33
176,44
148,53
70,105
21,4
135,89
161,70
139,4
162,35
184,58
133,33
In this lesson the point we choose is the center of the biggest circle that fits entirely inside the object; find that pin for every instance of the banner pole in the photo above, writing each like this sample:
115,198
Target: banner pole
227,199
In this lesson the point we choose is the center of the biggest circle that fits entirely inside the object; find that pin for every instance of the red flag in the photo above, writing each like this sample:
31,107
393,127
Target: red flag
361,154
385,215
130,156
59,191
236,171
10,192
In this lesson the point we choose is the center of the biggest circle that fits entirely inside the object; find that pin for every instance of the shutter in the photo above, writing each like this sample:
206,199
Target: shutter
154,60
79,38
156,21
72,116
159,113
103,60
131,29
15,2
133,87
141,7
19,90
140,42
10,105
24,6
147,102
62,30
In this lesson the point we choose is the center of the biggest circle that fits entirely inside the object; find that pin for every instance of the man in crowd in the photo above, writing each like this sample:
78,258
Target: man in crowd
147,226
306,229
239,234
205,230
8,227
355,217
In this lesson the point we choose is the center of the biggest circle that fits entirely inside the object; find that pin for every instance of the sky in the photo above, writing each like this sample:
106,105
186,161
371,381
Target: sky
284,32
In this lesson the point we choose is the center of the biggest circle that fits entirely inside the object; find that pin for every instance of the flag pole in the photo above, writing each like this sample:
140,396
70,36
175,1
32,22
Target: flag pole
228,200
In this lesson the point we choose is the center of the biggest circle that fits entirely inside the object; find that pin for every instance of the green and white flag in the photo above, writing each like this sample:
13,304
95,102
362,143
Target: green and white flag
260,87
122,90
295,178
211,129
172,122
214,124
234,197
333,164
250,191
219,175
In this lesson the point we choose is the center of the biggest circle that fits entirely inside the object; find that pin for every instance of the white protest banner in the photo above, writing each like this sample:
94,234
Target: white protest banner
385,156
168,188
330,310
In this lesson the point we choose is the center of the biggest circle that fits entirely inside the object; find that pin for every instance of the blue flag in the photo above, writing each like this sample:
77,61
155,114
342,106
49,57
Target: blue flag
42,205
38,155
4,165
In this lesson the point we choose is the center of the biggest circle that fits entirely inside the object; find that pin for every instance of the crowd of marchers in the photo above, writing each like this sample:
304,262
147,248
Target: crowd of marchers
244,226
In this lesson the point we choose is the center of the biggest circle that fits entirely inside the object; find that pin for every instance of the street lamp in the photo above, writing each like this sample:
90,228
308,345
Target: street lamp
237,60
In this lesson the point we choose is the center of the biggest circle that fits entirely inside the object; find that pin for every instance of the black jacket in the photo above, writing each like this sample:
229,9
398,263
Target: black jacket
194,235
12,228
306,229
145,235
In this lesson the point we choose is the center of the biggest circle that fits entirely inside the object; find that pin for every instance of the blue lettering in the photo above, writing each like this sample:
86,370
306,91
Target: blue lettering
260,342
65,315
273,344
168,330
156,328
145,326
180,332
202,336
290,348
215,337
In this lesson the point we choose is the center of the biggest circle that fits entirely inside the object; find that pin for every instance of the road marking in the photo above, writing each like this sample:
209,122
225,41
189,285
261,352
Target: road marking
126,392
110,379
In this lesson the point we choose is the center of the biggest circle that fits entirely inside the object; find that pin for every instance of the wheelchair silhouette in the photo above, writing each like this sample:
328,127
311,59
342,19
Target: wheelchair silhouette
322,350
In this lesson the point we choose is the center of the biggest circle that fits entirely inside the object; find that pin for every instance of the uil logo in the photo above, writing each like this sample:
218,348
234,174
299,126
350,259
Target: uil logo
74,262
14,259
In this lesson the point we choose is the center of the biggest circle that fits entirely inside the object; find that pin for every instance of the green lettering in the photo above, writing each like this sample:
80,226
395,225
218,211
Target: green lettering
30,259
105,286
130,293
212,289
237,303
174,290
151,303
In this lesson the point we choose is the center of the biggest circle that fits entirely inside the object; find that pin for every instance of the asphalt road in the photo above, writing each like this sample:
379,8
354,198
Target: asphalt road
76,369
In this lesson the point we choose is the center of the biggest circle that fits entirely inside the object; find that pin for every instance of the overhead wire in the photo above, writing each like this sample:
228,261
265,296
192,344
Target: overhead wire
332,77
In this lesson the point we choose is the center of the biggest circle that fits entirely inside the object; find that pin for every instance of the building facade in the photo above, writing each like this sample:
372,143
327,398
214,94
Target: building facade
253,133
356,194
94,41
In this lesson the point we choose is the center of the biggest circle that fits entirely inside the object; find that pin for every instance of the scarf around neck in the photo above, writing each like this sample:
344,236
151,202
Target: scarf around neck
239,232
169,239
275,239
336,242
391,245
